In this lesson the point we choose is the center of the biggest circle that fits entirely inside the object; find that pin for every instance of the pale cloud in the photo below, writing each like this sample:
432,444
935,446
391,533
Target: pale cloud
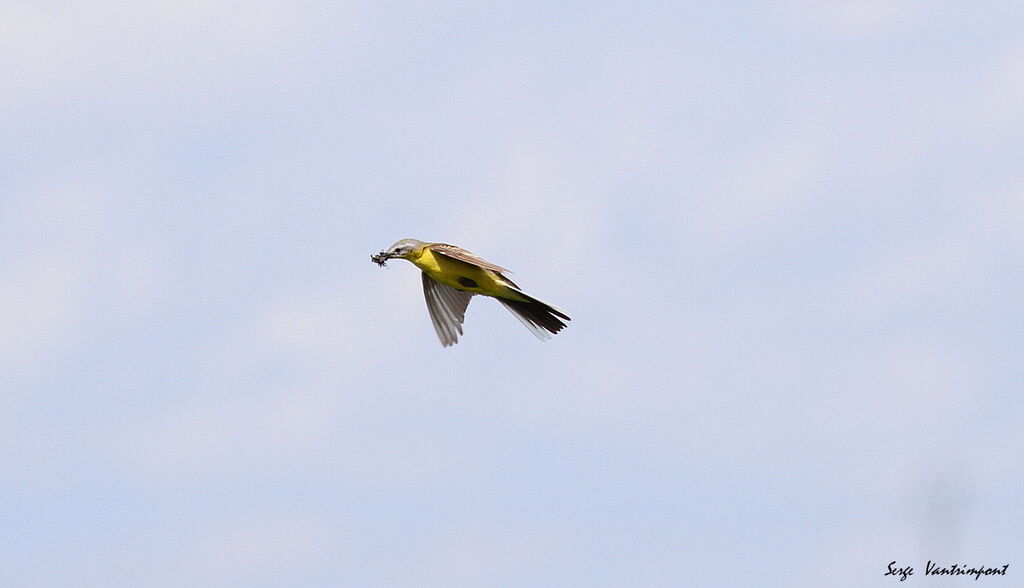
263,433
1013,78
290,384
67,262
534,211
997,108
334,319
942,267
225,436
41,301
57,38
851,19
479,553
113,51
49,229
1013,209
758,195
248,549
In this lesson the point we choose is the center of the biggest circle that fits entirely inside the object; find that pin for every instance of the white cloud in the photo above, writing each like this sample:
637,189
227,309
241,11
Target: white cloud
57,39
533,209
49,229
116,50
40,303
945,266
758,195
482,552
248,549
851,19
996,110
68,260
225,436
289,385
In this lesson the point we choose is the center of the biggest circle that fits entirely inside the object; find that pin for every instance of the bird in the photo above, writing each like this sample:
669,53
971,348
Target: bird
451,276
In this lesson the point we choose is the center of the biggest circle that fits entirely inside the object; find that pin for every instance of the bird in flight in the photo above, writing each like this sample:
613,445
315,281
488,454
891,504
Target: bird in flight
451,276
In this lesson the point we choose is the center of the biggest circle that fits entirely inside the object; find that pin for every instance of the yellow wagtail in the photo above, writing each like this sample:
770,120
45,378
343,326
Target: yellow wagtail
451,276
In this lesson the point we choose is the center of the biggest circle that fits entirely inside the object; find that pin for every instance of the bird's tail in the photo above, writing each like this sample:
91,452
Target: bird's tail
541,318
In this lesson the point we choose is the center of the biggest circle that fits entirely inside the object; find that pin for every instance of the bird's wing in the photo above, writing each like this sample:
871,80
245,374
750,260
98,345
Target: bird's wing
447,308
462,255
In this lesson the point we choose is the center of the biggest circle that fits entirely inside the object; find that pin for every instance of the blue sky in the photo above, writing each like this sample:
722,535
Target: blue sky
788,233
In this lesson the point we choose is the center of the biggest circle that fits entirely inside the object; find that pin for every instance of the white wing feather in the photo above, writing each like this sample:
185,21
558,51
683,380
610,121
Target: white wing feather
447,308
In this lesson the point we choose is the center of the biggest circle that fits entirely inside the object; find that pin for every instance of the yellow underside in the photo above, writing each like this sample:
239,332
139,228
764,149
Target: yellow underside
448,271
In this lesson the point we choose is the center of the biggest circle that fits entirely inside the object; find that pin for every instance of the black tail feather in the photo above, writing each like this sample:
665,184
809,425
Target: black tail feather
537,313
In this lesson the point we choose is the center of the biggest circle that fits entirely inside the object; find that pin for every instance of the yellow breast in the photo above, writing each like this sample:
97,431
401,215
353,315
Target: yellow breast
461,275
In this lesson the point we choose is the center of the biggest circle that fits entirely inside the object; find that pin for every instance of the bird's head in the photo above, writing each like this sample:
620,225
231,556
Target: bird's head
399,250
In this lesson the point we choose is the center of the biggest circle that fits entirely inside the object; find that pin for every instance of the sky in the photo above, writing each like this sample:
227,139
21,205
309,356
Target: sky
788,234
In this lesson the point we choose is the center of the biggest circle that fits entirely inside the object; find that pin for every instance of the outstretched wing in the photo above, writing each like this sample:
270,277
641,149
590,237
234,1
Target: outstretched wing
462,255
447,308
